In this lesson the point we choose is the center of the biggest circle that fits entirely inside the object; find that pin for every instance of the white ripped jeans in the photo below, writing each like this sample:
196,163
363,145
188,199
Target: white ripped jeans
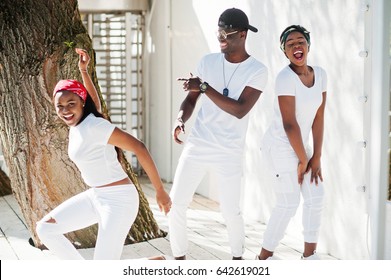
283,162
114,208
226,174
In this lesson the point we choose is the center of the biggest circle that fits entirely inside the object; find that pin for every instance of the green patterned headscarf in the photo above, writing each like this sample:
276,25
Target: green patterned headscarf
289,30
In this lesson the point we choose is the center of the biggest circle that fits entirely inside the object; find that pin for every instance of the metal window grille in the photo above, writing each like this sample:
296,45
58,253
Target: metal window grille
118,43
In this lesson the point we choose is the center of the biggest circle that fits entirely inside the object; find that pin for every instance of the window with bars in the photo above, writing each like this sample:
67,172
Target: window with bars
118,43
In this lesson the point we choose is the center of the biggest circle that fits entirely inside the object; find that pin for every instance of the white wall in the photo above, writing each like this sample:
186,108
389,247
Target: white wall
388,230
337,34
158,83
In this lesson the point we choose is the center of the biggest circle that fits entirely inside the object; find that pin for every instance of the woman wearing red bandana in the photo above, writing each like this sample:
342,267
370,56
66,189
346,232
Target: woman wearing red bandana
112,200
299,114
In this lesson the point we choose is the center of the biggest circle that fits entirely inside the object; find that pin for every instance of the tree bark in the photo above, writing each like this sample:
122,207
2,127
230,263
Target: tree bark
36,50
5,184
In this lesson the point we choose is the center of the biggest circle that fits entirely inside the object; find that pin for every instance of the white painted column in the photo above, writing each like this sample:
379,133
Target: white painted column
379,129
128,80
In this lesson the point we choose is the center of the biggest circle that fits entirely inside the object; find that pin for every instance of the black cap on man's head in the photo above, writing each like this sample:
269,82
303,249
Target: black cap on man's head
235,18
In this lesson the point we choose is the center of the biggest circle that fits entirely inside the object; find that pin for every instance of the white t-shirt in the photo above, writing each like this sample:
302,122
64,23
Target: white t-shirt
307,102
88,149
214,129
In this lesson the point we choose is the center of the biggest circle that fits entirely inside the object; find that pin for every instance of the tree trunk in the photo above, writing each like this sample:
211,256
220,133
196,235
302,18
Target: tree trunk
5,184
36,50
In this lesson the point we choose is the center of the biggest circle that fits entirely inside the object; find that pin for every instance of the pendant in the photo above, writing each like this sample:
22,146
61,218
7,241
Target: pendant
225,92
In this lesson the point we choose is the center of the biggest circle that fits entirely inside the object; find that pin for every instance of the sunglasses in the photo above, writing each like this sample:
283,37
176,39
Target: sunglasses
221,34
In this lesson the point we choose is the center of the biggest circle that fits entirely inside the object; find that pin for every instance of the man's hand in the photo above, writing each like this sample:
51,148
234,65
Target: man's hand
179,126
191,84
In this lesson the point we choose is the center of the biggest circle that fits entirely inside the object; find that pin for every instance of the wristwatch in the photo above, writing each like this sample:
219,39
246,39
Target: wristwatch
203,87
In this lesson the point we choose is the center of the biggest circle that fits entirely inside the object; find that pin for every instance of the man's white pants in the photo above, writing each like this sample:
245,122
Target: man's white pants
226,174
283,162
114,208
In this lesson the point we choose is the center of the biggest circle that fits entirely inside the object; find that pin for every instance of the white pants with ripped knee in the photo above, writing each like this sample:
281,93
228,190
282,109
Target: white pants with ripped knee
283,162
226,175
114,208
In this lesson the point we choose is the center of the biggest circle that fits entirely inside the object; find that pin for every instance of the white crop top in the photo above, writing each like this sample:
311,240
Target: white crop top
89,150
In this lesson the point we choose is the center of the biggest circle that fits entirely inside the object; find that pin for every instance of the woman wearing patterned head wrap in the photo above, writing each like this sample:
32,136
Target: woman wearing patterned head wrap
289,30
299,110
112,200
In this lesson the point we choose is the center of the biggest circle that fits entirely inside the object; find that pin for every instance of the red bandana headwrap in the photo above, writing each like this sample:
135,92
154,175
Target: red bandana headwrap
71,85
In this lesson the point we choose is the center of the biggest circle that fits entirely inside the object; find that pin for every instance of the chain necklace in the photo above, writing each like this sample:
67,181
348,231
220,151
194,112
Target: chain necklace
225,90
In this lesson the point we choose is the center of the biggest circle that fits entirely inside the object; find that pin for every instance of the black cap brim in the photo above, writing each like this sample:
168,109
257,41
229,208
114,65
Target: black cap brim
252,28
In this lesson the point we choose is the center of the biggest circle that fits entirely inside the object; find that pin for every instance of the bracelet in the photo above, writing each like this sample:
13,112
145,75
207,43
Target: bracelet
81,70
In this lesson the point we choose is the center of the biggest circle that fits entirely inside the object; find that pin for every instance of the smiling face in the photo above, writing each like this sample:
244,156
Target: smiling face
231,41
296,48
69,107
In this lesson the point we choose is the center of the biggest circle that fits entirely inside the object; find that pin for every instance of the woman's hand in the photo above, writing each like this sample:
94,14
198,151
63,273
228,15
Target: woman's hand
316,171
84,59
163,200
302,169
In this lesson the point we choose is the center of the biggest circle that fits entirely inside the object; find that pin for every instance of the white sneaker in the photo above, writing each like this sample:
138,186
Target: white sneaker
313,257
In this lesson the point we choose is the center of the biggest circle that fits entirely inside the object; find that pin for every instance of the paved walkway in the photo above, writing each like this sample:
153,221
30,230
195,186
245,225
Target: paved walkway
207,235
